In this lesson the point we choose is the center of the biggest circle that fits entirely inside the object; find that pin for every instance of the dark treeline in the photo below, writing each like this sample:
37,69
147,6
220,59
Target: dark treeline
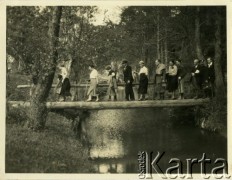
38,38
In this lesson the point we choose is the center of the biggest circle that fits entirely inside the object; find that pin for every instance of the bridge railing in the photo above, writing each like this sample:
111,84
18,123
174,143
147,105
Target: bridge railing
79,91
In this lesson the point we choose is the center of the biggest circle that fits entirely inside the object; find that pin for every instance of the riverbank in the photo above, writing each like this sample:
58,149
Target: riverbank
54,150
213,116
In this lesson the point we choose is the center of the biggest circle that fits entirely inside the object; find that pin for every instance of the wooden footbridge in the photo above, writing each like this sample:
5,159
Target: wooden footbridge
111,104
116,104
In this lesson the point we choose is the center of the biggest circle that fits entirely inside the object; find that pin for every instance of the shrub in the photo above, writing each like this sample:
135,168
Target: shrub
16,116
213,116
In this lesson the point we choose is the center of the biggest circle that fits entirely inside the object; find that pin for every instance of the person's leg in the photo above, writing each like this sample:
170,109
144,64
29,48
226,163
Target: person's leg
143,96
127,92
173,94
181,89
212,89
131,92
97,97
159,91
89,97
198,92
90,92
154,92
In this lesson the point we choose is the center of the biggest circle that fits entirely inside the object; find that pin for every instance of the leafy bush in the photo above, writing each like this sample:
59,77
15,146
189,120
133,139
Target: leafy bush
16,116
213,116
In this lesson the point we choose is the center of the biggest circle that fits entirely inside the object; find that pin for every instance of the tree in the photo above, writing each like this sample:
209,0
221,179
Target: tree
197,35
220,87
43,80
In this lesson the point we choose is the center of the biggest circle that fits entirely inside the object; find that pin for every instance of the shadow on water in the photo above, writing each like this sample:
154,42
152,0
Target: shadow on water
114,138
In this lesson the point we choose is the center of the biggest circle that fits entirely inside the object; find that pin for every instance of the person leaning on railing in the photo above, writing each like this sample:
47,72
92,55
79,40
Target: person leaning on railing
159,79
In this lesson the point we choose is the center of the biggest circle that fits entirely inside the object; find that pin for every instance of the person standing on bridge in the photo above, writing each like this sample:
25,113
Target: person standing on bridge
143,81
128,78
197,78
93,84
210,78
112,81
159,79
63,70
63,88
172,78
180,74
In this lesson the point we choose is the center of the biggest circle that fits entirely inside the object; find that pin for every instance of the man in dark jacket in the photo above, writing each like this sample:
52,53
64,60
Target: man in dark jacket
128,78
181,72
210,77
197,78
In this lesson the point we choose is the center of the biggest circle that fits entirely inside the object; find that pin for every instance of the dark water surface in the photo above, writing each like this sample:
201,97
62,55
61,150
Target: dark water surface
116,136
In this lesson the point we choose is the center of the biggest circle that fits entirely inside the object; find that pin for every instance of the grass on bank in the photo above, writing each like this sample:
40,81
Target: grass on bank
54,150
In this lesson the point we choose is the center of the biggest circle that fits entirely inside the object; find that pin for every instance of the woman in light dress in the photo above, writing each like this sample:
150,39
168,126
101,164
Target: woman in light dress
93,84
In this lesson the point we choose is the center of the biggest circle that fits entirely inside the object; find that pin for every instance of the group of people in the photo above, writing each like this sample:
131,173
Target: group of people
166,78
172,78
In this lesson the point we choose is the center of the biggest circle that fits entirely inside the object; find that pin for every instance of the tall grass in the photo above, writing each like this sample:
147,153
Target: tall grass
54,150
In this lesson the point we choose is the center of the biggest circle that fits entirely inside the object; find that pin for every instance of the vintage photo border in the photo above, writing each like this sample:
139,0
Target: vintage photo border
5,3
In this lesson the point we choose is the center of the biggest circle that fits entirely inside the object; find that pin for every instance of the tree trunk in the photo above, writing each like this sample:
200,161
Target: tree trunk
197,35
69,65
162,52
166,44
40,90
158,35
220,87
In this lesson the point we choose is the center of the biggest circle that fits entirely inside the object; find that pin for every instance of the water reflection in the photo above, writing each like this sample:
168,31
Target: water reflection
110,168
108,148
116,136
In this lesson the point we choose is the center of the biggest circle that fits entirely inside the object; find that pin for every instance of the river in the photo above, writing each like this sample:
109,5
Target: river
116,136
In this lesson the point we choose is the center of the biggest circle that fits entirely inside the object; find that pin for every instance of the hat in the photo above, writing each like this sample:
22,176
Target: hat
108,67
124,62
141,62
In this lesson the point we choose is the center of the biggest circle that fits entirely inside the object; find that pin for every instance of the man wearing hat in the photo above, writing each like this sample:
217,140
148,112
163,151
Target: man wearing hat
128,78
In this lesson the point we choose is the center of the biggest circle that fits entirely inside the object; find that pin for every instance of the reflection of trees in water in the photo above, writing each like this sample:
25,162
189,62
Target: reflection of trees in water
114,137
116,166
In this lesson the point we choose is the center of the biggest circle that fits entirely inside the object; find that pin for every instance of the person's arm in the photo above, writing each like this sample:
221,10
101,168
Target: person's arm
183,72
129,73
193,71
163,72
175,70
97,77
146,71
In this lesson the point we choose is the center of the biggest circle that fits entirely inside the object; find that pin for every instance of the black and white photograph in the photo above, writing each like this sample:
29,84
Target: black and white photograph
113,89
